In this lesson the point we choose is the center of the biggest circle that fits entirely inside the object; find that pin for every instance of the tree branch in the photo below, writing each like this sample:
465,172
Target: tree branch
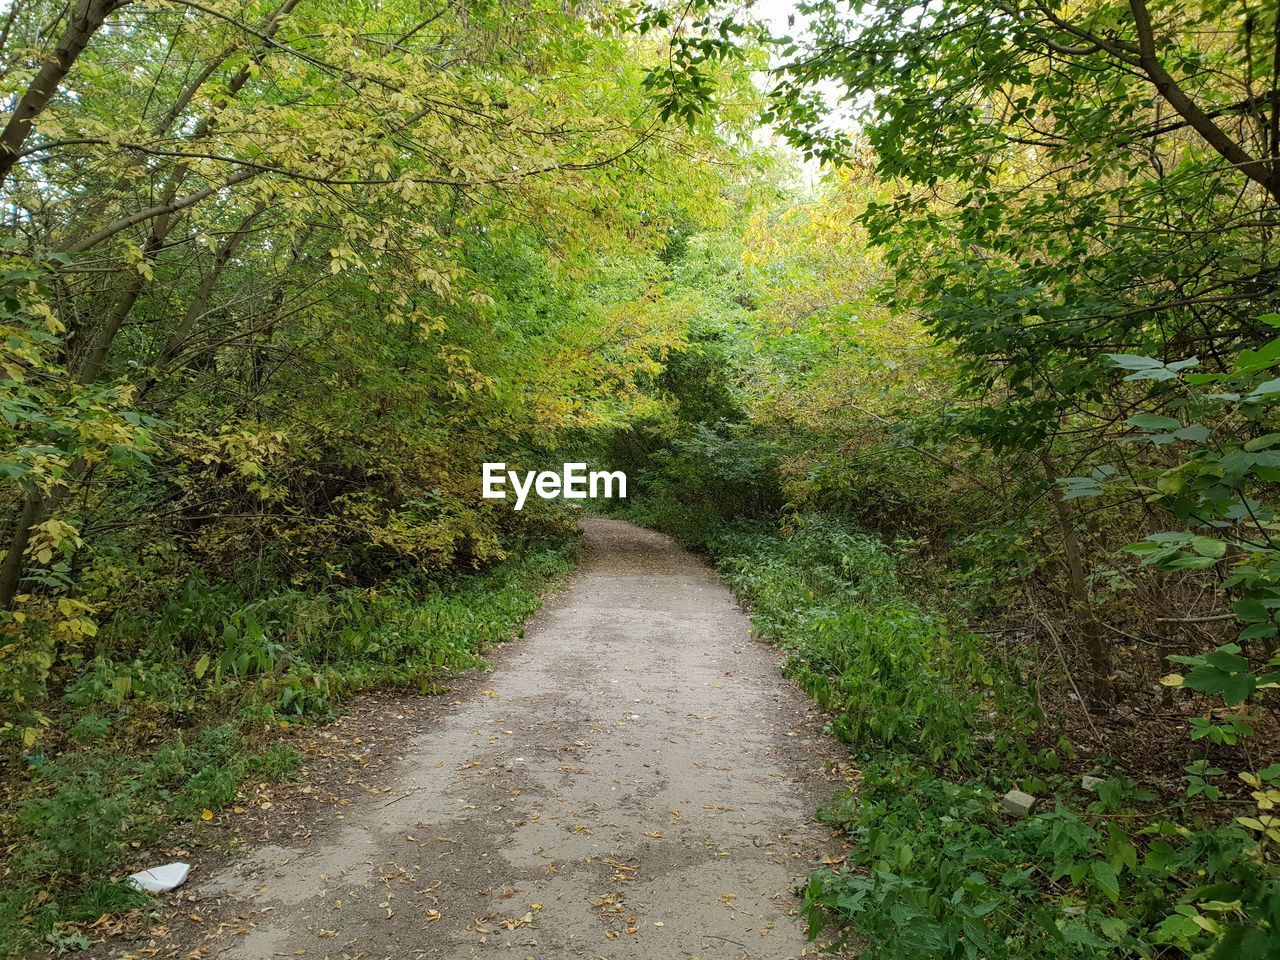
86,19
1256,170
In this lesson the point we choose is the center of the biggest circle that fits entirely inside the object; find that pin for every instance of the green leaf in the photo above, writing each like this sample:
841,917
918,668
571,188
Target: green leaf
1075,488
1105,874
1129,361
1264,390
1206,679
1251,361
1241,462
1194,433
1227,658
1251,610
1209,547
1238,689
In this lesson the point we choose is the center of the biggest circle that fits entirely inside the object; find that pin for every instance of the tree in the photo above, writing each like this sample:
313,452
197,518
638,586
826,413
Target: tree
1072,182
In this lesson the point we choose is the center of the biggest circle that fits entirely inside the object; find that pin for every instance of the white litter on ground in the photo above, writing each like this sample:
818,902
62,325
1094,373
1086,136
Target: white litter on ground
161,879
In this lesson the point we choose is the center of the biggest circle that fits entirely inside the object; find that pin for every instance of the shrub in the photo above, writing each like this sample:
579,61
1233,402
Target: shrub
893,675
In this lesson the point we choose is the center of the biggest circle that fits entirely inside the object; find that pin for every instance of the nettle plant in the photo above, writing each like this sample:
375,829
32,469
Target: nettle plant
1214,440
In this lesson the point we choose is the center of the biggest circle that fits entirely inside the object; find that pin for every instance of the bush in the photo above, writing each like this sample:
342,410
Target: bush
696,485
893,675
940,874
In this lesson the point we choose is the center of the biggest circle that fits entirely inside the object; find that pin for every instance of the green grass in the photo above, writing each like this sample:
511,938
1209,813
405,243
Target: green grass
146,741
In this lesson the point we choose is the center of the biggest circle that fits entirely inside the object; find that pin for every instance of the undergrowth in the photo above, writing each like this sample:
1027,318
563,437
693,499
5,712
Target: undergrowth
940,730
188,706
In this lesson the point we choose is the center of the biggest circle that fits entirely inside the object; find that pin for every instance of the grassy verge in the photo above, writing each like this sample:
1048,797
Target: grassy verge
942,729
168,732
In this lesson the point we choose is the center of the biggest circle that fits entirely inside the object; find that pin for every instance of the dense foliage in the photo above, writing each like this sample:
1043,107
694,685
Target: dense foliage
935,870
981,416
1078,192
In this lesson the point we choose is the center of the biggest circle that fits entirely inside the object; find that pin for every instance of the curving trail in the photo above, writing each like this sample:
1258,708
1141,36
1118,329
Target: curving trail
637,767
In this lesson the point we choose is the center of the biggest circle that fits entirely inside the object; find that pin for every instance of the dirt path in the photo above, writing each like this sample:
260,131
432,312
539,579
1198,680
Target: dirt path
637,781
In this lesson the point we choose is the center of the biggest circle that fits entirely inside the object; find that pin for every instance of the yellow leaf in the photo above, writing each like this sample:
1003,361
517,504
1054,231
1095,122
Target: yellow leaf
1172,680
206,815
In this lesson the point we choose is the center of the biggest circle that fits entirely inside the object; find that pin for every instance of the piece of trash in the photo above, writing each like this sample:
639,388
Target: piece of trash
1017,803
1091,783
161,879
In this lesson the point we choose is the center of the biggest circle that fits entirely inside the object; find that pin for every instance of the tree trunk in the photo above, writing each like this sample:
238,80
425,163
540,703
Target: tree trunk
34,510
1098,656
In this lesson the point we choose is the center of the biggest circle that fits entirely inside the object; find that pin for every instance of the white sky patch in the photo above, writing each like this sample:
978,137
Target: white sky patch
783,19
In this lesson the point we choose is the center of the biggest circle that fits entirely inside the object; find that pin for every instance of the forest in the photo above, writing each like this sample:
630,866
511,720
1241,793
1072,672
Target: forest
949,333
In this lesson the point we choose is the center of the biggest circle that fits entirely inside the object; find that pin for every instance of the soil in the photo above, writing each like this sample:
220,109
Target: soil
634,780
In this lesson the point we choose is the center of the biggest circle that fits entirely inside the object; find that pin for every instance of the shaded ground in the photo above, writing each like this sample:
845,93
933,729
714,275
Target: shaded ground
635,780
